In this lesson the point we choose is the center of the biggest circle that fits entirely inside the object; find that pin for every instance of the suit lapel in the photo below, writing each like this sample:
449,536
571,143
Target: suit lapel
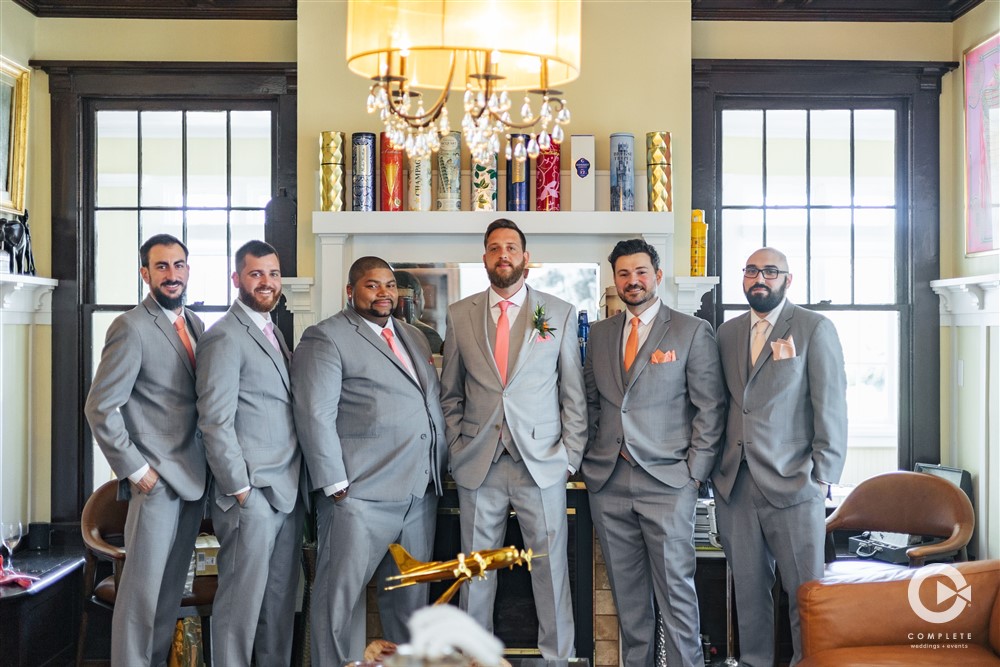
479,310
659,327
419,363
615,358
279,359
743,346
376,341
162,322
522,335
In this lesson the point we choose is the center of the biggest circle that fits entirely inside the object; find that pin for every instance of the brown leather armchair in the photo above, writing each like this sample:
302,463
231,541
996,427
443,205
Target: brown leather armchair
863,617
909,502
102,525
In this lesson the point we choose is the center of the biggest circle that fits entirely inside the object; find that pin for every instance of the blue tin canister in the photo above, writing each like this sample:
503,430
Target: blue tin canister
517,175
622,171
363,171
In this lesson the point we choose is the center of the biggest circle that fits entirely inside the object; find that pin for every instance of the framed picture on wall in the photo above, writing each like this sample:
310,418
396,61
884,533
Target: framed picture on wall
982,147
14,88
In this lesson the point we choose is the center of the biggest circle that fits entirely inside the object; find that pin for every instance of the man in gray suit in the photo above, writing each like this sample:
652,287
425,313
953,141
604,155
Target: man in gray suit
515,414
657,408
786,440
245,415
370,423
141,410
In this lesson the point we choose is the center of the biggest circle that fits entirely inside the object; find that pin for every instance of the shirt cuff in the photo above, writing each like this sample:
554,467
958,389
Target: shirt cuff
572,470
137,476
334,488
243,490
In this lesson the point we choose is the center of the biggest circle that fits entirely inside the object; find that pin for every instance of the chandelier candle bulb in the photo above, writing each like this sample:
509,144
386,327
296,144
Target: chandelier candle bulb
622,171
449,192
582,191
363,171
659,180
518,170
484,185
699,244
331,171
418,196
547,179
391,170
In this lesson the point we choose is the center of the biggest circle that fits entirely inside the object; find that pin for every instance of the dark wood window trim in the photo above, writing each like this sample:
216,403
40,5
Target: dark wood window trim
931,11
918,87
272,10
74,87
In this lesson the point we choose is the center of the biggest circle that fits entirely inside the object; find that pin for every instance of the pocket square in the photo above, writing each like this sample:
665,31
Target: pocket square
783,349
661,357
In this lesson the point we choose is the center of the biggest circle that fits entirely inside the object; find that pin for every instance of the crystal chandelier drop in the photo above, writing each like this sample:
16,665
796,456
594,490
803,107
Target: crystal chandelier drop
409,46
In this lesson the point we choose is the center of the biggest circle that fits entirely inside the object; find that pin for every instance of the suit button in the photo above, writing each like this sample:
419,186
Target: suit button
624,410
426,471
497,427
619,441
423,436
739,443
745,411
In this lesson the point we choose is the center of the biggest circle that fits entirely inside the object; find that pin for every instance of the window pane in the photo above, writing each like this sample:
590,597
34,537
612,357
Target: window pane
874,157
871,356
251,152
116,263
162,163
247,226
162,222
786,158
117,158
210,317
742,158
209,259
786,231
742,233
206,145
830,157
99,322
830,266
875,256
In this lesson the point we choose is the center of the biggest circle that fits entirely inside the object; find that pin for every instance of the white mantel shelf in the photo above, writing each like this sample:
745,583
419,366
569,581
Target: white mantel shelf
26,299
969,301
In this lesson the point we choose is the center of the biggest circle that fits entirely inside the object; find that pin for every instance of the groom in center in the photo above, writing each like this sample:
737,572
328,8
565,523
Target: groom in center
516,421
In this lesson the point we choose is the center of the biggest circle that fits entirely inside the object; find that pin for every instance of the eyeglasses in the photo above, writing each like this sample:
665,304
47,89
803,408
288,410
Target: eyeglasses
770,272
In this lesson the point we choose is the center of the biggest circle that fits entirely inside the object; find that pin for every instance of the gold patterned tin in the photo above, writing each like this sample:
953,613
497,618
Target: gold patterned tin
659,184
331,171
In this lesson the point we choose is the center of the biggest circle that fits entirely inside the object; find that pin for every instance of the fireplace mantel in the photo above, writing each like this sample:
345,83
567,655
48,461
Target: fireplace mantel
566,236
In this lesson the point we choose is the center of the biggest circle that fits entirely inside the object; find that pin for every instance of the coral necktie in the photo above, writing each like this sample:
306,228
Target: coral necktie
502,347
632,344
387,334
183,335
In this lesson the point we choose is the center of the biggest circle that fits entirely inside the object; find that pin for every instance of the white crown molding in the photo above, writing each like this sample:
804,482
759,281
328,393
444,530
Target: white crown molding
691,290
26,299
969,301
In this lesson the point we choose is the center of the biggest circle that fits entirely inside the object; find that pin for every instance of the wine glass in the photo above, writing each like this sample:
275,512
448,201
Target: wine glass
10,534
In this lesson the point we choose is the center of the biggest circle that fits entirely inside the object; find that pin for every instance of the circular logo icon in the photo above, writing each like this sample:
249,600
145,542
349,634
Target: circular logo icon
959,590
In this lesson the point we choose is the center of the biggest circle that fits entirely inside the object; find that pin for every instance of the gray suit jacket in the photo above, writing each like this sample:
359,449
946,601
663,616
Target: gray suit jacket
670,415
141,406
790,415
361,416
543,403
245,412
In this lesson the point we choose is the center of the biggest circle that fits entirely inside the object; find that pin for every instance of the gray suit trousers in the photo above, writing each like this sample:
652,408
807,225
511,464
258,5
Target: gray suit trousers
159,539
646,529
541,513
354,538
259,564
755,535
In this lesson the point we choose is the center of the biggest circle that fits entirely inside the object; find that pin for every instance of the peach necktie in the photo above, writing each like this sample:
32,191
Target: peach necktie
759,336
632,344
183,335
502,348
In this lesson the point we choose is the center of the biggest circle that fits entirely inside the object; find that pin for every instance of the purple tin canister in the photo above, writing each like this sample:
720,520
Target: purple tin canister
363,171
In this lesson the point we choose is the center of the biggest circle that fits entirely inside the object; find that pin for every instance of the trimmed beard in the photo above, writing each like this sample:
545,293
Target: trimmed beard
253,303
765,303
501,282
167,302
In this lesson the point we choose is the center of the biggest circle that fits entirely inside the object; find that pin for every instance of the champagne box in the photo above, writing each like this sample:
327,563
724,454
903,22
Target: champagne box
582,173
206,555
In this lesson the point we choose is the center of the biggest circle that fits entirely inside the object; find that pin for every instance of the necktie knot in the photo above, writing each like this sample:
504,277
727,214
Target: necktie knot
387,334
179,324
635,322
504,305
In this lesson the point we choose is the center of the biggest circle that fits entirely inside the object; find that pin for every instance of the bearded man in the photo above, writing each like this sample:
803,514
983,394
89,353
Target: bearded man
245,417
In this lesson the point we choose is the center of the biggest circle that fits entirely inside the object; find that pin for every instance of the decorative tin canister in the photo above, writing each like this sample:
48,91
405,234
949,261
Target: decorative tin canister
659,187
484,185
418,196
622,171
449,192
363,171
699,244
517,175
547,179
331,171
391,169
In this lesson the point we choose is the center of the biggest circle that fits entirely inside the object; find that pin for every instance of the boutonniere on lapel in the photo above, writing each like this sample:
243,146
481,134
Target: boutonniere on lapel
783,349
540,324
661,357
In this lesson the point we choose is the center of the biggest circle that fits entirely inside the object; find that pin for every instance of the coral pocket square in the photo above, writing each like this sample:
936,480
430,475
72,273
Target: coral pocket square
783,349
661,357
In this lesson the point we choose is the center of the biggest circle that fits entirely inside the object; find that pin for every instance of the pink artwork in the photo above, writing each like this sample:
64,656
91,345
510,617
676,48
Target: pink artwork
982,147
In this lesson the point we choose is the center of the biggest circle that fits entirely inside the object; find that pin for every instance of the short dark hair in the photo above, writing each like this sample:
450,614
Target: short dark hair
155,240
634,247
504,223
254,249
363,265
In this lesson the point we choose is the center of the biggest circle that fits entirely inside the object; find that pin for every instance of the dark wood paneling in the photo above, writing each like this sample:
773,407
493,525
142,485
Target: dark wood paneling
934,11
272,10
